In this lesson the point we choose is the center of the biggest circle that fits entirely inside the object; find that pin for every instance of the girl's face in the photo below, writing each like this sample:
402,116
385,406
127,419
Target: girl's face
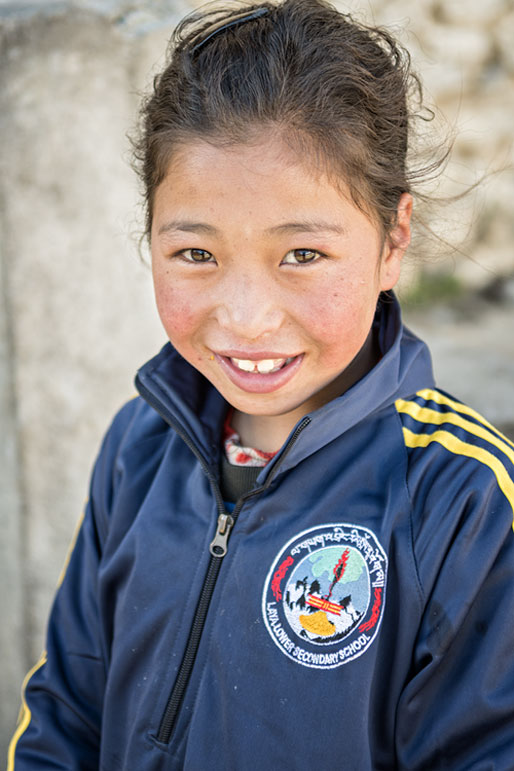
267,278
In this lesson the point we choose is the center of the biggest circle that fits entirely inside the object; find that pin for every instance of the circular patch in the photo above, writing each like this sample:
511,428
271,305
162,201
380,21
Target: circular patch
324,595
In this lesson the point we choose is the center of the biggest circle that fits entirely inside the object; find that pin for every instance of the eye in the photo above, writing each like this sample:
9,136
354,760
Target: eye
196,255
300,257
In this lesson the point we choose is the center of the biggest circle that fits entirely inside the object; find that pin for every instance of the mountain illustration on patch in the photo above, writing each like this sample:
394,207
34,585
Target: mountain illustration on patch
327,594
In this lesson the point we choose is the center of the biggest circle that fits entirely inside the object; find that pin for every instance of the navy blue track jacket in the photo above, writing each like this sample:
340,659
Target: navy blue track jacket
354,611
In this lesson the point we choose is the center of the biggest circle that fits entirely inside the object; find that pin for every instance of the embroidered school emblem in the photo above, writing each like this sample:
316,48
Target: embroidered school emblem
324,595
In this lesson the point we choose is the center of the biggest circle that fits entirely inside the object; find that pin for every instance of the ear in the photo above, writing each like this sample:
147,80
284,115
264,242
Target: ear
396,243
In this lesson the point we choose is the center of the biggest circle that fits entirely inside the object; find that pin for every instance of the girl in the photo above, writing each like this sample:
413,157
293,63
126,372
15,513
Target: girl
297,552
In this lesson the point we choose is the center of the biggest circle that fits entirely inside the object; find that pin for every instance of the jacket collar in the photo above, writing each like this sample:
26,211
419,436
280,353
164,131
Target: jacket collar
189,403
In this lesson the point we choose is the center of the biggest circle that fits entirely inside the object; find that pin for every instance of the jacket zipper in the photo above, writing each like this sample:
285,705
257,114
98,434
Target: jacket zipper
218,548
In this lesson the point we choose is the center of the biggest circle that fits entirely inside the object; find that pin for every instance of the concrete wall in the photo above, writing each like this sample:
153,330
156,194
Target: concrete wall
77,313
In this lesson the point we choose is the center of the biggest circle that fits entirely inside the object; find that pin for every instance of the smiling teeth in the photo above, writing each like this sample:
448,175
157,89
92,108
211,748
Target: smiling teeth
262,367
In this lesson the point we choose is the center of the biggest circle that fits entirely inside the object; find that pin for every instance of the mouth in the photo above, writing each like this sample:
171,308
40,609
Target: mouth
260,375
261,366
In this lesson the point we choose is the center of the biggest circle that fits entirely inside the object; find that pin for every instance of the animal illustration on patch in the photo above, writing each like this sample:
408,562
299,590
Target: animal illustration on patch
327,587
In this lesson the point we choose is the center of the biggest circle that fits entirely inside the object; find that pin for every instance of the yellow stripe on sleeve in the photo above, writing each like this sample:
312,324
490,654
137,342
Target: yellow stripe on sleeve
426,415
458,447
439,398
25,714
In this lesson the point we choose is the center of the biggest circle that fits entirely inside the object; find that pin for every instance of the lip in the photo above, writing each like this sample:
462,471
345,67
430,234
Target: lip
253,382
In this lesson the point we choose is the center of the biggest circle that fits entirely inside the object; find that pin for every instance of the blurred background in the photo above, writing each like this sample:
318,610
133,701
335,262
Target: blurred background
76,311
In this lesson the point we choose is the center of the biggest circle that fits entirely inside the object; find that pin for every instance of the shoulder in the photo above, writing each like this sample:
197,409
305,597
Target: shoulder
460,469
134,422
460,475
136,437
439,426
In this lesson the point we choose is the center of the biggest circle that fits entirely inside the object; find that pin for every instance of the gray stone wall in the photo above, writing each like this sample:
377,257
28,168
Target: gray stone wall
77,313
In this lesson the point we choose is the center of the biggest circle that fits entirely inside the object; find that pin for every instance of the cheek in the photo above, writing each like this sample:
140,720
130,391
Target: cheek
340,315
177,311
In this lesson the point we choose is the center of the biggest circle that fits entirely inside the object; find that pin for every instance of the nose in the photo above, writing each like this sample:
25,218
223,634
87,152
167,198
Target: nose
248,306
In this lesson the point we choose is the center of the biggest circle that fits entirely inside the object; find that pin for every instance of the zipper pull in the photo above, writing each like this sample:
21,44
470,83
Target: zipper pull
218,546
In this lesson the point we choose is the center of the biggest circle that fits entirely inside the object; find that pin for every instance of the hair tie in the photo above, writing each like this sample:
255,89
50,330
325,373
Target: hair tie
234,21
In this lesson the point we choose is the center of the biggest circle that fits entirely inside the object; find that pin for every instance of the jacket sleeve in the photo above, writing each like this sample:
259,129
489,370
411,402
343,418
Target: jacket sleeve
62,696
457,709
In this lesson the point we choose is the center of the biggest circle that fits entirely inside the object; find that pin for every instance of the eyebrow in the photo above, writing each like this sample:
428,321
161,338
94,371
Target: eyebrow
187,227
309,226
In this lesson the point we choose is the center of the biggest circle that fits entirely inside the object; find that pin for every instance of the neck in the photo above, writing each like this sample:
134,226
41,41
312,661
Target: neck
269,432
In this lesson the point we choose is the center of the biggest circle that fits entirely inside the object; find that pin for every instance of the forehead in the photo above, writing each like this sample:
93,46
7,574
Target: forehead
264,160
263,182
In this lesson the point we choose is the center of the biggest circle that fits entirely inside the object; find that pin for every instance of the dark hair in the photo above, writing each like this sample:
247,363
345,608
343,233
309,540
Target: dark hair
329,85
